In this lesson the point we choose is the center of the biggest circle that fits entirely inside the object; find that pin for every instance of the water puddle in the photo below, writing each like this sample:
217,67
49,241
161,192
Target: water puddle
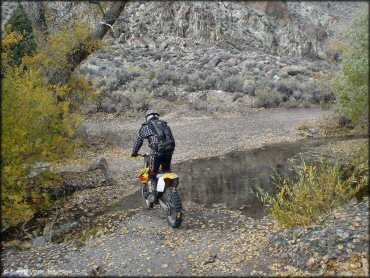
232,177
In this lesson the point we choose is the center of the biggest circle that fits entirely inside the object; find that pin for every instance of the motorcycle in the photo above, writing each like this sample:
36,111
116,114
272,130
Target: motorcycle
167,196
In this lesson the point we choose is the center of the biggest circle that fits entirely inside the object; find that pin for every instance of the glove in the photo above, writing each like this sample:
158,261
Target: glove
133,155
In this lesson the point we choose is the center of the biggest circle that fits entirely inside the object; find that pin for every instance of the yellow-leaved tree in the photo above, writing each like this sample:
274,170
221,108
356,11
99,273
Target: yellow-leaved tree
41,99
38,119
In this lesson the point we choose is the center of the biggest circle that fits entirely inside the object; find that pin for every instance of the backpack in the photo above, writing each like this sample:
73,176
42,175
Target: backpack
166,144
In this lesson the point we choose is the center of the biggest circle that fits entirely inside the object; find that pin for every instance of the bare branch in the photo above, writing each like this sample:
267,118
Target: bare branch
61,18
111,28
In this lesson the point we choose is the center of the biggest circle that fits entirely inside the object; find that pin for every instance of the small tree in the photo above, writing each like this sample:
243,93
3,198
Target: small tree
40,107
38,120
351,83
20,23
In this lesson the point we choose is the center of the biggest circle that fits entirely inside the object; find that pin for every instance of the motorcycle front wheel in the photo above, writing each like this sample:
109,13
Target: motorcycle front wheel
174,214
145,192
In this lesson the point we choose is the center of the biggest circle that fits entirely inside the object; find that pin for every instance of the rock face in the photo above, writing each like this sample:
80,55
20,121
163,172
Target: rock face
276,27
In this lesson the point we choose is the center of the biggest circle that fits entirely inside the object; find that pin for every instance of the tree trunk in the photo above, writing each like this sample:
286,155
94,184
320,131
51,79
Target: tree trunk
109,18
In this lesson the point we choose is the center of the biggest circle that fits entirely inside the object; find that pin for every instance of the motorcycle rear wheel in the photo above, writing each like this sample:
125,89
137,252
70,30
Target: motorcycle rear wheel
173,201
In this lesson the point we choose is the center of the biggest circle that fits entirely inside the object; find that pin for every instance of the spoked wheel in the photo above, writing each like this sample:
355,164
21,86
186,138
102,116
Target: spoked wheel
145,192
173,201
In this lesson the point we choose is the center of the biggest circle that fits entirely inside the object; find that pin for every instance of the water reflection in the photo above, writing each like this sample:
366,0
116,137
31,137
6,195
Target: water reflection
230,178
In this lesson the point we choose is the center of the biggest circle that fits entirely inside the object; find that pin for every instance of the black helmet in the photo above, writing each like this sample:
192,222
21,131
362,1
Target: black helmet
151,113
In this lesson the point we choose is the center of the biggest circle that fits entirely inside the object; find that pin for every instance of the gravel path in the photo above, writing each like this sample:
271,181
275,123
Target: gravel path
212,240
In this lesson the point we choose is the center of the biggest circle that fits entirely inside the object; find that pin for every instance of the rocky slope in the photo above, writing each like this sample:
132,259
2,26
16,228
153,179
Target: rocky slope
210,54
217,56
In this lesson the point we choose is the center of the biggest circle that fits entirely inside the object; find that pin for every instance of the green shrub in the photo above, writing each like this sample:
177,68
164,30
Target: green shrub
20,23
316,190
351,83
35,127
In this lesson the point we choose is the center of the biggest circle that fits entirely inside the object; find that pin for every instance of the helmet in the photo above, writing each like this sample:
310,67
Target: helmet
151,113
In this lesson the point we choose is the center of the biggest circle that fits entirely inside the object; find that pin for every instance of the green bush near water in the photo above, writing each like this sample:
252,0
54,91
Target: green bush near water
316,190
351,84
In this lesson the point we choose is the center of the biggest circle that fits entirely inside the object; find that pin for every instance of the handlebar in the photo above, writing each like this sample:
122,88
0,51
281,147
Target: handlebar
140,155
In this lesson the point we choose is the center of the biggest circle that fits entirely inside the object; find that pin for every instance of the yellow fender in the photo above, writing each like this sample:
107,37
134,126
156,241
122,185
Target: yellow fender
170,176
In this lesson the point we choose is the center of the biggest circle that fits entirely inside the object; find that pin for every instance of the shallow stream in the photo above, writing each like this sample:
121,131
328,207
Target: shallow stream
232,177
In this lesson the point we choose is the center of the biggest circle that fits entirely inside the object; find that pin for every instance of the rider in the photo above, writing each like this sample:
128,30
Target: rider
161,144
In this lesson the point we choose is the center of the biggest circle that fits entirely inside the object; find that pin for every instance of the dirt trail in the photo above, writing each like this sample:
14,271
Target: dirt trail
212,240
203,135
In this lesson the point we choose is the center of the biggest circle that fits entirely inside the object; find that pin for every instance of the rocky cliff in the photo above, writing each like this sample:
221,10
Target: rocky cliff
278,27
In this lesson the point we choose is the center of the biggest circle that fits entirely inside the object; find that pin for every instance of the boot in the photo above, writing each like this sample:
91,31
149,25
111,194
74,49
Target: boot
152,185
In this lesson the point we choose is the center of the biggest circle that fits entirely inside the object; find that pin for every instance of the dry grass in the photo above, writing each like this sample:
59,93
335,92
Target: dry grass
317,190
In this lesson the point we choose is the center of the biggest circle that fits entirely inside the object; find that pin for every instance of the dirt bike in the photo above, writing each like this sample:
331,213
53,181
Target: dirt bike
167,196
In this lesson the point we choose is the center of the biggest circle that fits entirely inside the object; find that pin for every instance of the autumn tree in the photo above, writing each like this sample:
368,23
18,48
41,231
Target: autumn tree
40,101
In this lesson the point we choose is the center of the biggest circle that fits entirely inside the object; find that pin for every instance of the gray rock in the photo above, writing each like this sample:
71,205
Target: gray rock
38,168
297,231
81,199
275,78
102,164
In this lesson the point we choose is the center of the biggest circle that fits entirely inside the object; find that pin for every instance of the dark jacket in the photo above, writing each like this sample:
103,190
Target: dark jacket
146,132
